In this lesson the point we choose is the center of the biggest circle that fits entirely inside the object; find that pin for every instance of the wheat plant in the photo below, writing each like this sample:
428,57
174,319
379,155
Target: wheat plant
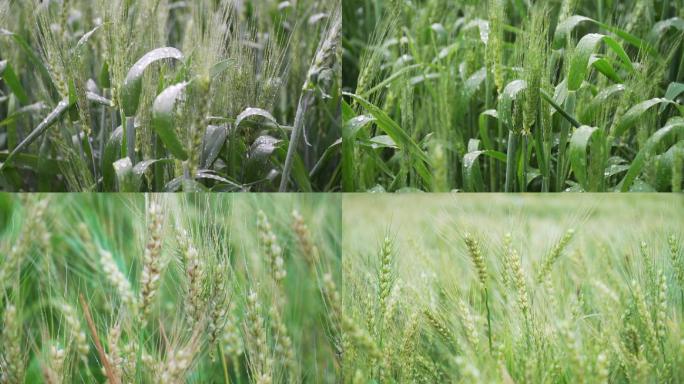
461,289
167,289
504,95
165,95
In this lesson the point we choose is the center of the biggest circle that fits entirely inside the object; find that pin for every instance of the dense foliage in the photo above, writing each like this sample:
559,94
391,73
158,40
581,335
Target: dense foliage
560,95
163,95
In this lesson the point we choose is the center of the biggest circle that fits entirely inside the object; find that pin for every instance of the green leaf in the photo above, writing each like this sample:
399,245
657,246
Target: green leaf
600,100
472,178
661,27
508,96
251,112
400,137
564,29
350,129
674,127
578,152
213,141
632,116
585,48
112,151
126,181
12,81
132,87
52,118
163,119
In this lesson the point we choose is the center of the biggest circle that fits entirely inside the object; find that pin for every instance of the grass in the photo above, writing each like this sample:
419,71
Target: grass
165,95
512,289
504,95
168,289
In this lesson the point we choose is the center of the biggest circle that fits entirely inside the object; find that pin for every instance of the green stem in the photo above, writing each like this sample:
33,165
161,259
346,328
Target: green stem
129,138
224,364
510,161
523,182
489,319
305,101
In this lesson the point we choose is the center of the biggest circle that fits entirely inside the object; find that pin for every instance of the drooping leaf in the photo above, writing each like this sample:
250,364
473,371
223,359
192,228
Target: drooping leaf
112,151
163,119
508,96
674,127
52,118
132,87
585,48
632,116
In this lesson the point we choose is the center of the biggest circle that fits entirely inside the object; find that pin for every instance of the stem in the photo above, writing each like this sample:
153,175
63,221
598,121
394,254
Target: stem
510,160
109,371
129,136
488,101
304,101
489,319
224,364
523,182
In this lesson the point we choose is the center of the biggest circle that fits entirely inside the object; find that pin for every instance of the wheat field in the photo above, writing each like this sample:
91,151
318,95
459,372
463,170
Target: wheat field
513,289
166,95
508,95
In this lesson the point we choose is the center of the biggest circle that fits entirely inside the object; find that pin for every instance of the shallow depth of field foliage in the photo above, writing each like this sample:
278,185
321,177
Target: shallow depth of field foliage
507,95
513,289
166,95
167,289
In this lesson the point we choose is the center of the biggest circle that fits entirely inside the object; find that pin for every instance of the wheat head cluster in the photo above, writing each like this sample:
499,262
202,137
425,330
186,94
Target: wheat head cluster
162,289
468,296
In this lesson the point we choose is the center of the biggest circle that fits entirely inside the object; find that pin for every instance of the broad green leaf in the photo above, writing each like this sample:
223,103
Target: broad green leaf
506,99
130,93
403,140
125,178
631,117
565,28
600,100
673,128
251,112
482,125
112,151
579,145
350,129
213,141
482,25
13,82
472,178
663,26
475,81
585,48
164,117
602,65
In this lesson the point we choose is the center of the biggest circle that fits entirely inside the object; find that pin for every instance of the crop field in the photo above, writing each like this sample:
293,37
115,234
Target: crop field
167,95
508,95
167,288
513,289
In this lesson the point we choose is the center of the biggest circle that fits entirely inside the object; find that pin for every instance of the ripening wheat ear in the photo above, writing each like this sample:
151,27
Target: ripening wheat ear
152,258
306,243
260,358
556,252
12,361
193,272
